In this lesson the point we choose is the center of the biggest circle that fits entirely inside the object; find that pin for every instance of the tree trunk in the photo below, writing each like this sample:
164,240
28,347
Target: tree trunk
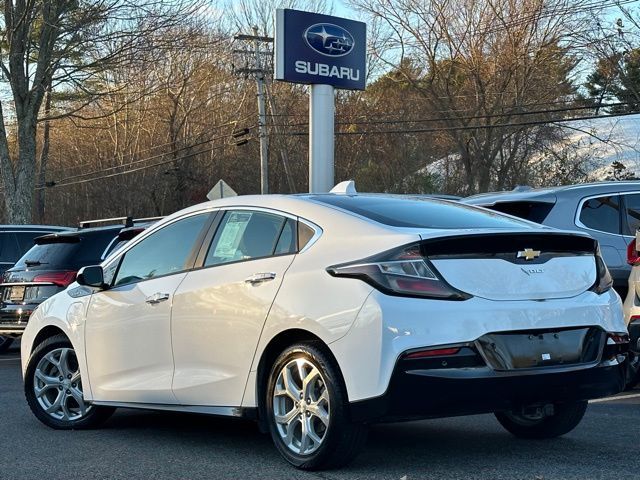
20,204
44,157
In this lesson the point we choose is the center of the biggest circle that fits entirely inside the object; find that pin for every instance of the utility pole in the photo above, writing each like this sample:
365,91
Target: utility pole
255,66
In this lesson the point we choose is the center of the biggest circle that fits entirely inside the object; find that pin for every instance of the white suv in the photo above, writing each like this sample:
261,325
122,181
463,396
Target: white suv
319,314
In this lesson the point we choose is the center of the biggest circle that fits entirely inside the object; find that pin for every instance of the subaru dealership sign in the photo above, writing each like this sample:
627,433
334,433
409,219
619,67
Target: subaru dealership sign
320,49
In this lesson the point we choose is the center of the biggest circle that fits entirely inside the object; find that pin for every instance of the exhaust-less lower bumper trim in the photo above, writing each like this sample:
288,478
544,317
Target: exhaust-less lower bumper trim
414,394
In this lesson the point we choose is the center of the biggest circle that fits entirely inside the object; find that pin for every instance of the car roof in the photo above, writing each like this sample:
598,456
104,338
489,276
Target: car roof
551,194
44,228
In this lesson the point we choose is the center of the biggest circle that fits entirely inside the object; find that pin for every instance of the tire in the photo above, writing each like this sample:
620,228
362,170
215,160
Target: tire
566,417
633,371
325,414
5,343
52,379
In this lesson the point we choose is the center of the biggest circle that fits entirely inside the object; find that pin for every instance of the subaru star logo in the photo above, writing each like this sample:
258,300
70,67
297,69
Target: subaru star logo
328,39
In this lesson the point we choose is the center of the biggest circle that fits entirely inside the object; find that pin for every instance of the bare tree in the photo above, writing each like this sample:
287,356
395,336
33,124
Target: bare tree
67,45
489,68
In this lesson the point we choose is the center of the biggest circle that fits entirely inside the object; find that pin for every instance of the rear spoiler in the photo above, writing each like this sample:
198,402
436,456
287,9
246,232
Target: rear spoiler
56,238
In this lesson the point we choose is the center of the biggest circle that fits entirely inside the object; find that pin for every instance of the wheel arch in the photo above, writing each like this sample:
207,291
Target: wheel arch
271,352
45,333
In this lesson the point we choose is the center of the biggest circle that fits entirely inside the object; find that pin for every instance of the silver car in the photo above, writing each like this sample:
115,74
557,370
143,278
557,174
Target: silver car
608,211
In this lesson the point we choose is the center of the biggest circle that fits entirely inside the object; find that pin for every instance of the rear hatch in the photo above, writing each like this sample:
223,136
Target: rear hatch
515,266
50,266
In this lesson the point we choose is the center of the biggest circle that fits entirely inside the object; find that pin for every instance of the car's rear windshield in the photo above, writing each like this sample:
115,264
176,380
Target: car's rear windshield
72,252
414,213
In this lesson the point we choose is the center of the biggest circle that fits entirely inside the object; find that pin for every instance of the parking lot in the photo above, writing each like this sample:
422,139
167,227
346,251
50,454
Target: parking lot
140,444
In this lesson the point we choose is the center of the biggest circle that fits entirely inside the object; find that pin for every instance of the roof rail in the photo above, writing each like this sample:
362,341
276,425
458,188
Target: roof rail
148,219
127,221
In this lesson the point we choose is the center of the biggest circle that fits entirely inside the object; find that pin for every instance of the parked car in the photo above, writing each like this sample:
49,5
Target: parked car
318,314
632,311
15,240
51,265
608,211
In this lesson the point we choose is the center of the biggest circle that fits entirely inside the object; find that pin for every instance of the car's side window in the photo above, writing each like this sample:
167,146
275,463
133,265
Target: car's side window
245,235
602,214
164,252
288,241
632,203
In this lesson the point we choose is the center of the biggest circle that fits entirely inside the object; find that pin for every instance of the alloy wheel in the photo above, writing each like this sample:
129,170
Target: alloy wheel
301,406
58,387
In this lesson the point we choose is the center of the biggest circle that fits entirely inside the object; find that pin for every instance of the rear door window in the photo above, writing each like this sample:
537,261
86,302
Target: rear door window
632,207
245,235
602,214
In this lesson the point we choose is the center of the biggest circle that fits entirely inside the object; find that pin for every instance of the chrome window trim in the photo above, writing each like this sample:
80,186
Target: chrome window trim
579,224
314,238
147,233
104,254
316,229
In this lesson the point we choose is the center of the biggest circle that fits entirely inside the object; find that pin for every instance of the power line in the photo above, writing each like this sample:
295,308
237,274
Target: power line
471,117
142,160
473,127
158,164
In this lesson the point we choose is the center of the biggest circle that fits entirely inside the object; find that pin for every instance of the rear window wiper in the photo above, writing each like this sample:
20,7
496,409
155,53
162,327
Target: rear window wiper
33,263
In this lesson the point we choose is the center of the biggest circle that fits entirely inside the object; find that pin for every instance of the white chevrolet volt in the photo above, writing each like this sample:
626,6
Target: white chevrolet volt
317,315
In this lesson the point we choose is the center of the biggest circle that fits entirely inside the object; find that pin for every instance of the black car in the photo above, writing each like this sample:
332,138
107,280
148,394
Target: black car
15,240
51,265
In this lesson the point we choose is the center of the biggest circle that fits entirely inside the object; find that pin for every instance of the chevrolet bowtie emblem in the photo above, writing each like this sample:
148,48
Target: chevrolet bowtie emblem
528,254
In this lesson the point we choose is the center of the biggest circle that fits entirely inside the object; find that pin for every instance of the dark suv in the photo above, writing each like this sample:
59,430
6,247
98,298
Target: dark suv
15,240
51,265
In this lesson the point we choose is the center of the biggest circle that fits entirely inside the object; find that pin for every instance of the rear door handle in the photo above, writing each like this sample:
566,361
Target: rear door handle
157,298
260,277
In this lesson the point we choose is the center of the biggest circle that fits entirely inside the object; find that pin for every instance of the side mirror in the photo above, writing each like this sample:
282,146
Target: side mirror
92,276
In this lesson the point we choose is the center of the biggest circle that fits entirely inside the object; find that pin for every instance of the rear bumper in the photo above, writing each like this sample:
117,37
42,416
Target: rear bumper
414,394
13,320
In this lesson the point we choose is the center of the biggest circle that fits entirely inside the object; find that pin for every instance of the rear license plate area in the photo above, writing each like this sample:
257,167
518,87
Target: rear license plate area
534,349
16,294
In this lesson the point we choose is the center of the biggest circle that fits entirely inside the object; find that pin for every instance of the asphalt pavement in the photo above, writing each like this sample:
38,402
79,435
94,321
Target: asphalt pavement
136,444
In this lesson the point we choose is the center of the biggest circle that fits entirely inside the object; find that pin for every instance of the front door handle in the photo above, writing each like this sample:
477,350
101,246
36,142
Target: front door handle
157,298
260,277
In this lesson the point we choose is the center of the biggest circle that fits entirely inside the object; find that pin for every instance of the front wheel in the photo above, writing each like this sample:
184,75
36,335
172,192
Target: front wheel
307,410
53,388
566,417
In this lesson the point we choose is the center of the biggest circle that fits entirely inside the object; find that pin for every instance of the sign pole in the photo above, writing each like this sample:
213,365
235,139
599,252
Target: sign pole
325,52
321,138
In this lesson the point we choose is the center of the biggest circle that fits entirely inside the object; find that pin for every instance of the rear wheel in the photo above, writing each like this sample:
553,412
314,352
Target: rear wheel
5,343
565,417
307,410
53,387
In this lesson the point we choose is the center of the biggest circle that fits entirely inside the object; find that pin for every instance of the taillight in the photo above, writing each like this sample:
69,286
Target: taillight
403,271
604,281
61,279
633,258
617,344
